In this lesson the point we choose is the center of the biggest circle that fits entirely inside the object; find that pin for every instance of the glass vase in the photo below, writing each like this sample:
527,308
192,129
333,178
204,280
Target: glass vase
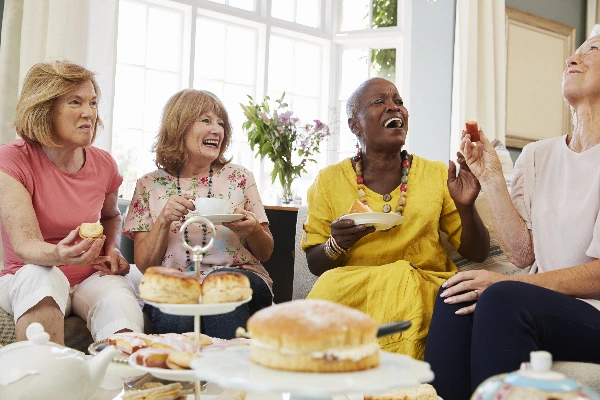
286,195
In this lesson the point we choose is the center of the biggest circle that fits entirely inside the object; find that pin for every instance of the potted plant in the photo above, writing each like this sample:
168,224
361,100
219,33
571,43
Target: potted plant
290,144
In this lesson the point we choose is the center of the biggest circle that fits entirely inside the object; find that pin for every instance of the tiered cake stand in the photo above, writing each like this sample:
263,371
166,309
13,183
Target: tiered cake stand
195,310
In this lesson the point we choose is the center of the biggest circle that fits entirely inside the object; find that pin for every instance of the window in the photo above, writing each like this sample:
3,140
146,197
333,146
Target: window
236,48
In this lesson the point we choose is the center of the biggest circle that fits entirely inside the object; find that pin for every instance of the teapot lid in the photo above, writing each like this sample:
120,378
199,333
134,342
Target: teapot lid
38,344
537,374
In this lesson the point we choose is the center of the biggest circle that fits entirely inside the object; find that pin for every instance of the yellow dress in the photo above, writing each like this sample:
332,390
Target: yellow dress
393,275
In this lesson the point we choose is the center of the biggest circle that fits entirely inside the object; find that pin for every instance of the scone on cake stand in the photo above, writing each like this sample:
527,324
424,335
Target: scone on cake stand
181,295
312,349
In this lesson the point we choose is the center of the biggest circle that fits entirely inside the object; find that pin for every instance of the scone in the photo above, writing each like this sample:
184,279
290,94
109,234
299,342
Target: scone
422,392
91,230
225,287
313,336
167,285
358,207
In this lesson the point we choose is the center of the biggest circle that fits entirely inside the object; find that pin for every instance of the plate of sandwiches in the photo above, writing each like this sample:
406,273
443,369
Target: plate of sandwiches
362,215
178,293
311,348
174,365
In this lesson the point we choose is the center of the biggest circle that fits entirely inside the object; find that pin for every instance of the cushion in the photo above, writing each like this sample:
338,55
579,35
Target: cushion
303,278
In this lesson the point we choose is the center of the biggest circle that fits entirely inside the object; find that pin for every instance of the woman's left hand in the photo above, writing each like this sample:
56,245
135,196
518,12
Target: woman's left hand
244,226
468,286
116,266
465,187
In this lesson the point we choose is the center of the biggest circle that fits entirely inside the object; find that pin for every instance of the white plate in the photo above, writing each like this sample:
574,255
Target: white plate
198,309
220,218
380,220
186,375
232,368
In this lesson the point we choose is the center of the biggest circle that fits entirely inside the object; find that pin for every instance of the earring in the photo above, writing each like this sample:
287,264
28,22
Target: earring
358,155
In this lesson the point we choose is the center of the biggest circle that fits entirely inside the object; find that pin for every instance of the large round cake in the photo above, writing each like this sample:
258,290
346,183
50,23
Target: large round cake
313,336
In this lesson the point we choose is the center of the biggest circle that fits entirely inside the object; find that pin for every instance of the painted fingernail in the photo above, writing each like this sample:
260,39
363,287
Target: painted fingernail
444,284
448,300
444,293
459,312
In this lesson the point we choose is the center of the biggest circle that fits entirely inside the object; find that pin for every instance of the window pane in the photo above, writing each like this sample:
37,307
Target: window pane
233,96
383,63
305,108
165,30
354,70
209,60
347,138
131,43
216,87
218,1
385,13
243,4
281,64
160,86
307,64
355,15
240,65
307,12
283,9
128,110
125,150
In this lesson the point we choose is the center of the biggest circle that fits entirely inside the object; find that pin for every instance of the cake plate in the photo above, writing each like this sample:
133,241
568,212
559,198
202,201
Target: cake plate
232,369
195,310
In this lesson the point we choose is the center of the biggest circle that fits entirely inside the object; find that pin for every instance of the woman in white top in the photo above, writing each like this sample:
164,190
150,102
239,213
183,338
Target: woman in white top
486,323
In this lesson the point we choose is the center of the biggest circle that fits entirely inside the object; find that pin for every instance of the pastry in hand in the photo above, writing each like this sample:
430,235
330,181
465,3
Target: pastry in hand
472,129
91,230
358,207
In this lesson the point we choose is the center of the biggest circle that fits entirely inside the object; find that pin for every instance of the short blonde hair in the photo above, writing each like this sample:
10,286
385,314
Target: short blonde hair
42,85
182,111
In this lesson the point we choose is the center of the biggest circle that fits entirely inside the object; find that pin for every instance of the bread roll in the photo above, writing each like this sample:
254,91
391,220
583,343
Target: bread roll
225,287
167,285
313,336
91,230
422,392
358,207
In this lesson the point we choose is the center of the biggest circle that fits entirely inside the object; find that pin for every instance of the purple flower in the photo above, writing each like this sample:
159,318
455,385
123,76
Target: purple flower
318,124
285,116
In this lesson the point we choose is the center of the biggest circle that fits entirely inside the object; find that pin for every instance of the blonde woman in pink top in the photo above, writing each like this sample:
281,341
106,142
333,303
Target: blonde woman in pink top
485,323
53,180
193,137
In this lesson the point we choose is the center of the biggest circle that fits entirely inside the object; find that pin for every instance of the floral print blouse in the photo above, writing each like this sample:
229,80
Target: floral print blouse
233,183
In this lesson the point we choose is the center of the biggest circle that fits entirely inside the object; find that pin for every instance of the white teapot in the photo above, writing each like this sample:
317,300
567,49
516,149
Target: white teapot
39,369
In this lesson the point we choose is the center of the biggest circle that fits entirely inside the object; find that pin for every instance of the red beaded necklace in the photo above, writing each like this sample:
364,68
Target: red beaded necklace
386,197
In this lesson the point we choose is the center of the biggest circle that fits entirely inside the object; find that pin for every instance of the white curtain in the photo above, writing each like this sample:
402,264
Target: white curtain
592,17
479,76
82,31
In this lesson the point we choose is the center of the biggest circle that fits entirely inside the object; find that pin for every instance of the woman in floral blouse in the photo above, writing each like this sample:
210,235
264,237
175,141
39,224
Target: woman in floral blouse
194,134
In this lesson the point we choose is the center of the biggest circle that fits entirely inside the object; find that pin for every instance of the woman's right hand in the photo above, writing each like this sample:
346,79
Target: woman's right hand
346,234
176,207
85,252
482,158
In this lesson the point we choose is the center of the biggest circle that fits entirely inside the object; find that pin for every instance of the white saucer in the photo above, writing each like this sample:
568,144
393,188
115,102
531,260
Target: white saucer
198,309
220,218
380,220
232,368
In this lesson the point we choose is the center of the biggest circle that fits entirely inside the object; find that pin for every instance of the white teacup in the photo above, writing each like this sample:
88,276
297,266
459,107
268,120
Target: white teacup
212,206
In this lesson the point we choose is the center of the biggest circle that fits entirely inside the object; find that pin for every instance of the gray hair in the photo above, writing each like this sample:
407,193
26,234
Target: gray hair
352,102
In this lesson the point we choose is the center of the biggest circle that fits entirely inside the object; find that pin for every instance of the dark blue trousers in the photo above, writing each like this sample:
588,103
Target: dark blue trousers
511,320
221,326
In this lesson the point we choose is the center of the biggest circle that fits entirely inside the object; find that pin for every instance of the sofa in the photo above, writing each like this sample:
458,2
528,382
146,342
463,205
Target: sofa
497,261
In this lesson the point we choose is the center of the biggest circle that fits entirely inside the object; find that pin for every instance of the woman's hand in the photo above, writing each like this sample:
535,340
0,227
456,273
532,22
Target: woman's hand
244,226
481,158
176,207
346,234
85,252
465,187
468,286
116,266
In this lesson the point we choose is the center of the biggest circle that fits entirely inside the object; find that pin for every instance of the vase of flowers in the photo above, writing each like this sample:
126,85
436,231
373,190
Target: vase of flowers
289,143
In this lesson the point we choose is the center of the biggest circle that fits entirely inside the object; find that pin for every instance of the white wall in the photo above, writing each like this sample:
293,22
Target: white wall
432,46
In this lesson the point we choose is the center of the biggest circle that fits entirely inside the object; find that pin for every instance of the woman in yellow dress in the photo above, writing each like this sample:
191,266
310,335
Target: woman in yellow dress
390,275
